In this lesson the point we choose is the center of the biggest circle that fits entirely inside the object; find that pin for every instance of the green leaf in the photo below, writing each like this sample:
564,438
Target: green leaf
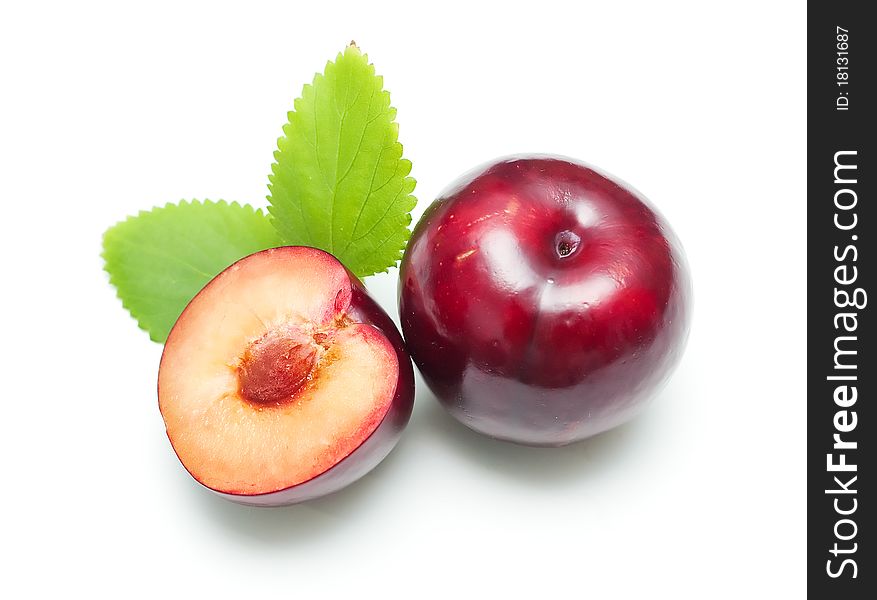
339,182
160,259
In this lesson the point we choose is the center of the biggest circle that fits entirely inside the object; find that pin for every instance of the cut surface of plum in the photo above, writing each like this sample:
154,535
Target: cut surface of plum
273,375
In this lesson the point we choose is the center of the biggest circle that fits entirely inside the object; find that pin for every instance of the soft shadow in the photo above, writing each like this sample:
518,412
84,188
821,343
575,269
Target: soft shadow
533,465
298,523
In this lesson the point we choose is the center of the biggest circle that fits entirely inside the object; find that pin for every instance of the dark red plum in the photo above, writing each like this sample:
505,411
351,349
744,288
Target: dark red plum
543,301
283,380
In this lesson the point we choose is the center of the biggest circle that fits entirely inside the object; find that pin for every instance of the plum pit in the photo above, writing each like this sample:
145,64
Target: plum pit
276,366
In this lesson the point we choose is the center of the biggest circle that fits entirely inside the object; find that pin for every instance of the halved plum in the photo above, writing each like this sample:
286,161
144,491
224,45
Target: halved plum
283,380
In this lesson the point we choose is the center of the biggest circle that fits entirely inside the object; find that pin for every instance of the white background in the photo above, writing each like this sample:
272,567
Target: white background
106,110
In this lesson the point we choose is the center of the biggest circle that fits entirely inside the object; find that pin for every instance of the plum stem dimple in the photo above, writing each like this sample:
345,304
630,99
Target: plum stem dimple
566,243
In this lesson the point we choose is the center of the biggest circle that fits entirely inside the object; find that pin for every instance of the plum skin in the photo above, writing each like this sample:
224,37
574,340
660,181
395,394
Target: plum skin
373,449
543,301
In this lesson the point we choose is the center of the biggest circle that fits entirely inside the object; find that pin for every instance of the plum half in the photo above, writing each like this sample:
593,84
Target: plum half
543,301
283,380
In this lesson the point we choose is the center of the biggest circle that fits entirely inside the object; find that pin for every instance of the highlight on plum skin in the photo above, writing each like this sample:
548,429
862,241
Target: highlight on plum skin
543,301
283,380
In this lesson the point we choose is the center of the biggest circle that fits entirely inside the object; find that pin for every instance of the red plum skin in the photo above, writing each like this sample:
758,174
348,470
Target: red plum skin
543,301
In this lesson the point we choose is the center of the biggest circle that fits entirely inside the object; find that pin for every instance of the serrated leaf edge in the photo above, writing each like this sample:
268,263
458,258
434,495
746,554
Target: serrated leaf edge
272,217
168,205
